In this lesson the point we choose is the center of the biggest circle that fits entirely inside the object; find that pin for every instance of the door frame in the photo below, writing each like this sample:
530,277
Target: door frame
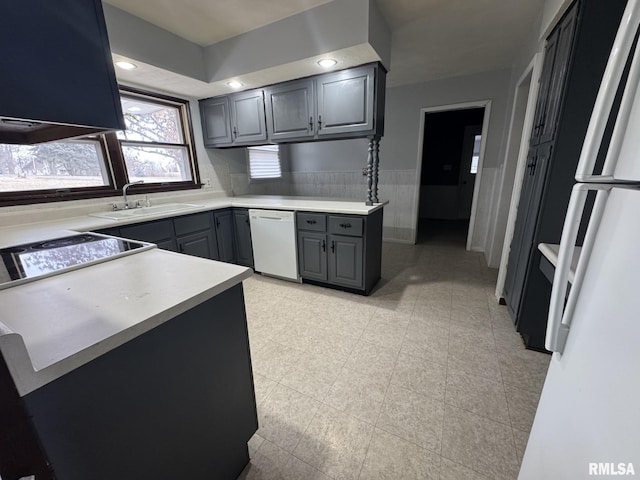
534,69
486,104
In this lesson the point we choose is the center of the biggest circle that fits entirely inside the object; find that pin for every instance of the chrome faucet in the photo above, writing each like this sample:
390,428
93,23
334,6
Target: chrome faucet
124,191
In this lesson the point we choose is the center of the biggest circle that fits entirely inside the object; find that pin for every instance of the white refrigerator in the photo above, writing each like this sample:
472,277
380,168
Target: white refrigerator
588,420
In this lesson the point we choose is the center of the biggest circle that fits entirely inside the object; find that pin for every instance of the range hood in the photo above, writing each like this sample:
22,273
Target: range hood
58,79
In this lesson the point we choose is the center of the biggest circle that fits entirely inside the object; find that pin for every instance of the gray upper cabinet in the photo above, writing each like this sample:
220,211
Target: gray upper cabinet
346,101
216,121
247,117
344,104
290,110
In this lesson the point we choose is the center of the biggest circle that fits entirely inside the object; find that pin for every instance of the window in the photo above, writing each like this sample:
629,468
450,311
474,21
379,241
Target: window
157,147
475,156
264,162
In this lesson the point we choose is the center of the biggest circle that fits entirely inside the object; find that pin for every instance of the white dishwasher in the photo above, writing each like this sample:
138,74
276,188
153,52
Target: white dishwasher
273,235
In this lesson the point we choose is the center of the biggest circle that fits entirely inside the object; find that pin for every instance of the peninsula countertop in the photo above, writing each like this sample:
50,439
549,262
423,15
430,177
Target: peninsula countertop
52,326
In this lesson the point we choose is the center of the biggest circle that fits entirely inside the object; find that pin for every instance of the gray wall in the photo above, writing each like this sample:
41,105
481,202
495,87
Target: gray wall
335,168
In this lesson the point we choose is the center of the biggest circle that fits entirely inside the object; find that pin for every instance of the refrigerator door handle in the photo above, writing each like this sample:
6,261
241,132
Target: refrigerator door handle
559,320
608,88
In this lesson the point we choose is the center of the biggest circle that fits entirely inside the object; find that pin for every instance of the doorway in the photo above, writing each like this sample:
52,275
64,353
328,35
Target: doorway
450,163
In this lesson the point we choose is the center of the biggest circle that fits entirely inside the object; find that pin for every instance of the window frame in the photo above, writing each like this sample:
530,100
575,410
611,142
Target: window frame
115,162
264,179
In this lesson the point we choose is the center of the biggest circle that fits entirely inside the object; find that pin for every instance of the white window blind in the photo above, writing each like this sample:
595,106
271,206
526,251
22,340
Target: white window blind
264,162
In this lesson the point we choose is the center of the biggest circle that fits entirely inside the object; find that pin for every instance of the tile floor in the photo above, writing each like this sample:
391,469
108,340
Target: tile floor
424,379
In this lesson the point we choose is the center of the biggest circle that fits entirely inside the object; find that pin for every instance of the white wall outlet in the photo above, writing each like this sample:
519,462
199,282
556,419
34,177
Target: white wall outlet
207,183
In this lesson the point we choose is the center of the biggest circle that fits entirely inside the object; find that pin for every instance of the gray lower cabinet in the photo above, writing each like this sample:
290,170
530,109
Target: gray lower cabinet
346,261
344,251
160,232
223,221
201,244
244,248
312,255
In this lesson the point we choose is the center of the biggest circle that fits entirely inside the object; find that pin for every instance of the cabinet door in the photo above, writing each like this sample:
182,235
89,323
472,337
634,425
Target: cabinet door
345,261
159,232
224,235
346,101
216,121
199,244
522,243
244,249
312,255
247,117
290,110
561,60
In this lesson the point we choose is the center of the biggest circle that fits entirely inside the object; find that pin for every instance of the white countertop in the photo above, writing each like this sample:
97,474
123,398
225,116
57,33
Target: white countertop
51,326
550,251
66,225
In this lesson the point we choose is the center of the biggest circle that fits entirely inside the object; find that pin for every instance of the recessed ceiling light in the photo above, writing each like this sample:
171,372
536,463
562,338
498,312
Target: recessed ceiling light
126,65
134,109
235,84
327,62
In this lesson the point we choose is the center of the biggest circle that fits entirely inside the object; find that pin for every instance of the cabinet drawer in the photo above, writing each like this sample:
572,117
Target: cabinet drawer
149,232
192,223
312,221
343,225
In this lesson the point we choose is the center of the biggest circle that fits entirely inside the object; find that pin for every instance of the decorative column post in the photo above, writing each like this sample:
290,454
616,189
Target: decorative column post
369,200
376,167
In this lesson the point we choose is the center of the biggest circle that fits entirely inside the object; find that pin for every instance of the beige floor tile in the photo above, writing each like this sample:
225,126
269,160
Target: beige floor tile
254,444
507,339
335,443
373,360
431,347
357,394
521,438
453,471
392,458
275,360
420,376
524,369
296,469
269,463
522,407
438,310
384,332
475,361
262,386
463,336
477,394
313,374
333,345
285,415
414,417
479,444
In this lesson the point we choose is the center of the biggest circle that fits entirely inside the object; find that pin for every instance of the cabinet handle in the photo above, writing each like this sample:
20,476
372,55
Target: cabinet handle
311,124
532,167
235,132
217,222
333,246
319,122
345,225
247,220
311,222
324,246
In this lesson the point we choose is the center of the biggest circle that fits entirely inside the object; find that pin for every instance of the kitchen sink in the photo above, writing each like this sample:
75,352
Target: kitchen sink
144,211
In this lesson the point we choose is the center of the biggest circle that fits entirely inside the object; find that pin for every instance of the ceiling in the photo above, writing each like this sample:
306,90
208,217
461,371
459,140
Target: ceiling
430,39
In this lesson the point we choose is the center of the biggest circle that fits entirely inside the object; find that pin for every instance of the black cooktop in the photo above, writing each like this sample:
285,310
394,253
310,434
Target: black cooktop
32,260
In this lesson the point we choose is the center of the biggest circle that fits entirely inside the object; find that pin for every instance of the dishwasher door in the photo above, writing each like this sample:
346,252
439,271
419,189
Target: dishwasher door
273,236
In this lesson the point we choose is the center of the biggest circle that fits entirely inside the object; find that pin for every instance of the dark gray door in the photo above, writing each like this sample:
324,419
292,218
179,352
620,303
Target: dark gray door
345,101
223,221
290,110
247,117
244,249
560,68
216,121
345,261
528,209
545,81
199,244
312,255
